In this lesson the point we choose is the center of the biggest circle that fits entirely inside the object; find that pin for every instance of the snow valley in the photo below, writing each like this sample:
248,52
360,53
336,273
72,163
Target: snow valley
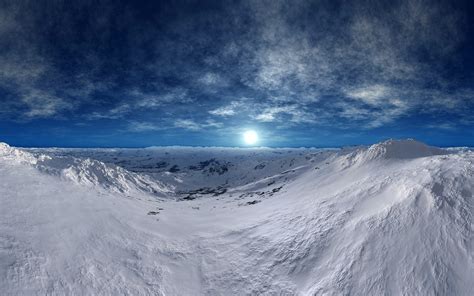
395,218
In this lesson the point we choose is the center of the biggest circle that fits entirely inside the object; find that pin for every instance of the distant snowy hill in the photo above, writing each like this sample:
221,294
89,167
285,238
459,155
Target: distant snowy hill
88,172
395,218
191,169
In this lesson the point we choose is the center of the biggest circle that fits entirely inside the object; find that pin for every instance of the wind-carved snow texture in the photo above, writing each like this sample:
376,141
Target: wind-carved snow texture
395,218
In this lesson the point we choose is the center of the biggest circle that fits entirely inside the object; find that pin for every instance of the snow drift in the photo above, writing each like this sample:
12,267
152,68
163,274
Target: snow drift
395,218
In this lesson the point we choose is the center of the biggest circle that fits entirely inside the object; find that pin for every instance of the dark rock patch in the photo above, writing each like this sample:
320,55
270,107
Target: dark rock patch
253,202
174,169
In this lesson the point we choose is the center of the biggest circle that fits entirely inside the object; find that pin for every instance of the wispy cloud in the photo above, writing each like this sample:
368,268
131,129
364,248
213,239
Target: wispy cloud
364,65
192,125
137,101
445,126
212,79
137,126
296,114
229,110
154,100
42,104
373,95
114,113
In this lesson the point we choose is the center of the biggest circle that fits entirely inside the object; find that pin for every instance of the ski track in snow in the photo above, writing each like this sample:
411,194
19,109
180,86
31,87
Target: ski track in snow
395,218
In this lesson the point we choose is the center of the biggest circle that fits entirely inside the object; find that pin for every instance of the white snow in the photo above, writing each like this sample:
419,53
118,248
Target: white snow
89,172
395,218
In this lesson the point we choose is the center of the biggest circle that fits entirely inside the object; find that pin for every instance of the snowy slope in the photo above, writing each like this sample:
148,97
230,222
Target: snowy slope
395,218
191,168
88,172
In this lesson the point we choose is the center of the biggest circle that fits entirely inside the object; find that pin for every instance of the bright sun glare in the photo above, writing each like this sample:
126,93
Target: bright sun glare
250,137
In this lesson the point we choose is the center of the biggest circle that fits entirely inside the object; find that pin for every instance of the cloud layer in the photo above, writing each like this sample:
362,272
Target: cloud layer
218,66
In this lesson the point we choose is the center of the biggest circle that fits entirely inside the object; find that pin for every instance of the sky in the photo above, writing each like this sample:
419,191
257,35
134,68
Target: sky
199,73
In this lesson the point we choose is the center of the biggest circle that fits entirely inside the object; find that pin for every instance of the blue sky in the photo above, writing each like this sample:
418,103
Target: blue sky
301,73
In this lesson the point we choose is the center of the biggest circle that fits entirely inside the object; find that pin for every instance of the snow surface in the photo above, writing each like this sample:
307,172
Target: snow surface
395,218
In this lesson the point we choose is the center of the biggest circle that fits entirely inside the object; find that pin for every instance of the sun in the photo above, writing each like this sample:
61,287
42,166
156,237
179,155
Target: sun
250,137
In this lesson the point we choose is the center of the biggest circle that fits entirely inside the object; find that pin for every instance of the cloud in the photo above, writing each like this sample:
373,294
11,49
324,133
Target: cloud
229,110
375,105
212,79
353,112
446,126
458,101
296,113
372,59
42,104
138,101
114,113
21,71
372,95
192,125
25,72
137,126
153,100
366,64
388,113
278,68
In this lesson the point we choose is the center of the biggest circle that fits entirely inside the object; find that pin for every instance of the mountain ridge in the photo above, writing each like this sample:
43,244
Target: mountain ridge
314,223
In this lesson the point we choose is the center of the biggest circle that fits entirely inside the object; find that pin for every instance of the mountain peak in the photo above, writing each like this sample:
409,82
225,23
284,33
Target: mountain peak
402,149
4,147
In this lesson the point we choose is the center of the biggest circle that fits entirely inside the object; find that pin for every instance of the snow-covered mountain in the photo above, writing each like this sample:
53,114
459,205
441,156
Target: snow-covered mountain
395,218
192,169
89,172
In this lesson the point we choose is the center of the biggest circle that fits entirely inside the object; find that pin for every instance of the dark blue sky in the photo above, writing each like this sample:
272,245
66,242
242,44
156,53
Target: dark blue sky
301,73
